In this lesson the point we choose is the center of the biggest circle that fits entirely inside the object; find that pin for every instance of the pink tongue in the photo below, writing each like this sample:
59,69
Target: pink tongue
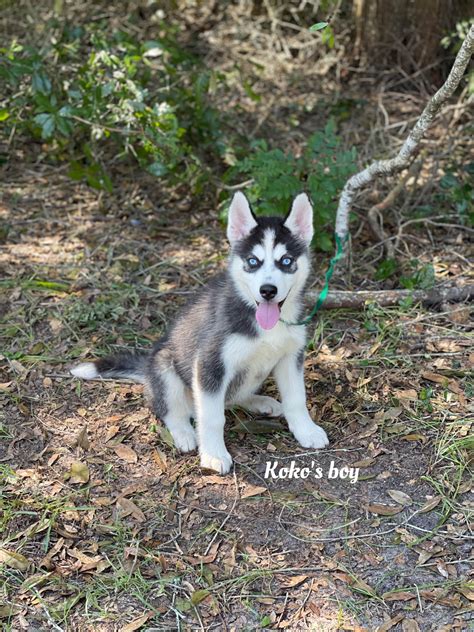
267,315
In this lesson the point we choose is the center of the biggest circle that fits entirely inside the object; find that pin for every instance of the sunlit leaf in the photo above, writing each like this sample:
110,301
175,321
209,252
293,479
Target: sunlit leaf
319,26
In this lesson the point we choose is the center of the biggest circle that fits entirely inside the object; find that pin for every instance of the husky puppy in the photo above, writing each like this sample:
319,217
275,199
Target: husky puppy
230,337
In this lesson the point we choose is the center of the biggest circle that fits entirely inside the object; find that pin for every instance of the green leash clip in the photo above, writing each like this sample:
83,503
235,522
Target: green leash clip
324,292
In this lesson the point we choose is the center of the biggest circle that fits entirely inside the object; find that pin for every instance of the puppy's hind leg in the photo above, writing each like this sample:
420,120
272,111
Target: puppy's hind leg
172,403
262,405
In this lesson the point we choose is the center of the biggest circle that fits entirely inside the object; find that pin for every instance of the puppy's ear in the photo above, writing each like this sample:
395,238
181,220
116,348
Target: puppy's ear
300,218
241,219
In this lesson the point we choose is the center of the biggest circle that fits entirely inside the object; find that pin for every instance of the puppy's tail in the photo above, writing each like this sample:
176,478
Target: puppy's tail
129,365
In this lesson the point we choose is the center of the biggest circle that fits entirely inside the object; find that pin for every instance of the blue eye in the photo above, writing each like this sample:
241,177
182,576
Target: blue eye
286,261
252,262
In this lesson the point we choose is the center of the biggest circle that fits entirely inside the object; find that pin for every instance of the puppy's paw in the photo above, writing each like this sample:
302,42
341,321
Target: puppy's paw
220,461
184,439
264,405
313,437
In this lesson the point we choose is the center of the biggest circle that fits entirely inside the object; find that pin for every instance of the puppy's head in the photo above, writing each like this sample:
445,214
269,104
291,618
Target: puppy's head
270,255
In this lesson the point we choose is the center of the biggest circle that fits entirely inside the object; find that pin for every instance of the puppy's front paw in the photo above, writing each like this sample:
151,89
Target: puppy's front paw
184,439
220,461
313,437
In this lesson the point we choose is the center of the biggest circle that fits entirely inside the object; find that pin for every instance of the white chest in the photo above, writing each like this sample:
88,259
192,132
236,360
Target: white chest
258,356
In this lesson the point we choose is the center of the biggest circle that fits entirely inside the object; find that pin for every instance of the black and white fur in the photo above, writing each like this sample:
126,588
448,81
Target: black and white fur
216,355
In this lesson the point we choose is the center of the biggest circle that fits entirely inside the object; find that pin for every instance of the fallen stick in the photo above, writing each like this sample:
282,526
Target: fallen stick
385,298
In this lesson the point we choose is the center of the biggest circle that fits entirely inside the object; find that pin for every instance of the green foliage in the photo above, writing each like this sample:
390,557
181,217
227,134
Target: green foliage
386,269
87,94
422,277
453,42
322,169
458,191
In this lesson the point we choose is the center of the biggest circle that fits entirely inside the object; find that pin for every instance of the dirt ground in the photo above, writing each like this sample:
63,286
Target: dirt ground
105,527
111,525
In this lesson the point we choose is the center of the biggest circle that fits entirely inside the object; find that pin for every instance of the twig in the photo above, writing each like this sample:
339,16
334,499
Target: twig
374,215
431,222
236,499
353,536
402,159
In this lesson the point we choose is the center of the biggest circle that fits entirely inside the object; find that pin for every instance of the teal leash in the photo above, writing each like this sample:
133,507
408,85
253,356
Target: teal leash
324,292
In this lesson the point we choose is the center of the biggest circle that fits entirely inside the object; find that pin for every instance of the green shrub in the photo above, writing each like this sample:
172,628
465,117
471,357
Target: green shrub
89,96
322,169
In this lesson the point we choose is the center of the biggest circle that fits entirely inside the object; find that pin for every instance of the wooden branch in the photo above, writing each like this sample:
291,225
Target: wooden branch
402,159
375,213
385,298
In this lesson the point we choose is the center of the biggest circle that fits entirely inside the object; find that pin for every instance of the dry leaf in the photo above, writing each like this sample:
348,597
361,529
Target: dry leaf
423,557
460,315
205,559
134,488
253,490
410,395
18,367
198,596
126,454
46,561
79,473
53,458
430,504
452,384
14,560
446,345
55,324
137,623
160,459
128,507
82,440
361,586
384,510
368,431
392,413
410,625
295,580
9,611
438,595
111,432
388,625
467,592
87,562
398,596
213,479
400,497
414,436
441,566
364,462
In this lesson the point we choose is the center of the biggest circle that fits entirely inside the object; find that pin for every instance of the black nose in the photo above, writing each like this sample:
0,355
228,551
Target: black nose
268,291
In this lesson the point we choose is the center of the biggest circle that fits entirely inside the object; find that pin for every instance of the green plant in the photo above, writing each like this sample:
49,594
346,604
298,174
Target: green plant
453,42
458,191
386,269
88,95
421,277
322,169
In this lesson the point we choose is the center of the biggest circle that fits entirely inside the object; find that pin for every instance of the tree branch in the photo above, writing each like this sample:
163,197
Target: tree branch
402,159
356,300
